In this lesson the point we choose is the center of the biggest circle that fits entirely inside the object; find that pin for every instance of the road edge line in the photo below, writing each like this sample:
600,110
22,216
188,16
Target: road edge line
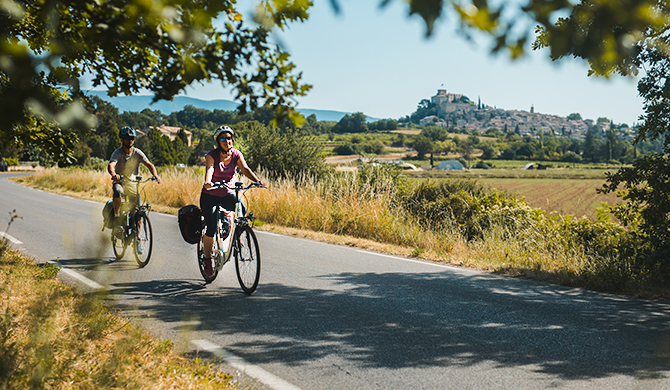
10,238
76,275
242,365
426,262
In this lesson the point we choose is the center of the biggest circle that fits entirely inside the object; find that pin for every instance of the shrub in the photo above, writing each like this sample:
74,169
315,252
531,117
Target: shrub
281,153
347,149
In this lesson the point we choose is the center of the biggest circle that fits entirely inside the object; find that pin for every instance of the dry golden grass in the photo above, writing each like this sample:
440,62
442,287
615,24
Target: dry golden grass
179,186
337,210
52,337
334,207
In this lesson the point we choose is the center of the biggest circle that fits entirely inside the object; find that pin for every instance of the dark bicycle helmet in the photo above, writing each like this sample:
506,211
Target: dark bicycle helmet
127,132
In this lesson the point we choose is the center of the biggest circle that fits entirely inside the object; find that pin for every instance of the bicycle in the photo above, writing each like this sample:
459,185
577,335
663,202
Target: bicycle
243,245
136,228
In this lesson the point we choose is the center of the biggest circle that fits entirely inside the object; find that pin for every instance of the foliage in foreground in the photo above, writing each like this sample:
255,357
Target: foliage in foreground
53,337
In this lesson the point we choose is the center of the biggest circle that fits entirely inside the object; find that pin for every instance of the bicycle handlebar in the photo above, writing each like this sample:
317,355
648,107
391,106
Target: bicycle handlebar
238,185
137,179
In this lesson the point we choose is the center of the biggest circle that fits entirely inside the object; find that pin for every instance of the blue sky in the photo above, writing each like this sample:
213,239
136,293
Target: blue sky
378,61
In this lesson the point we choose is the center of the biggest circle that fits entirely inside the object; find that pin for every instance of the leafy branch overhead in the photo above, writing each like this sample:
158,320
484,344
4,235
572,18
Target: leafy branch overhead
163,46
47,46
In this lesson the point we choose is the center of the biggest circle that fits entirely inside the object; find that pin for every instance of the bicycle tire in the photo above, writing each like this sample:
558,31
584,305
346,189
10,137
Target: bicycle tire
119,246
143,242
247,259
201,262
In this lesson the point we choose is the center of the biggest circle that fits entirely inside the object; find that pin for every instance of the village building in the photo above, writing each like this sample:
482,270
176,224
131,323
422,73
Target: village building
459,110
450,102
169,131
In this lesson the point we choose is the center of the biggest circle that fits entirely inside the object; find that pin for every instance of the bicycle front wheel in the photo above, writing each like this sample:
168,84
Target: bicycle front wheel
144,241
247,259
119,244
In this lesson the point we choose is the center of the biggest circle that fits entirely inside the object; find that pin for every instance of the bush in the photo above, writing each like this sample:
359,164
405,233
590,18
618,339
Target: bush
466,206
97,164
281,153
347,149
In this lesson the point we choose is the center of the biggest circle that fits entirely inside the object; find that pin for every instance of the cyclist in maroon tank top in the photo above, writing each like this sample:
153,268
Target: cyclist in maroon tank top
220,165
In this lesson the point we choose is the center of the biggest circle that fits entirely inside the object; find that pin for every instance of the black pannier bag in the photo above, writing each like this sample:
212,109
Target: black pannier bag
108,215
191,223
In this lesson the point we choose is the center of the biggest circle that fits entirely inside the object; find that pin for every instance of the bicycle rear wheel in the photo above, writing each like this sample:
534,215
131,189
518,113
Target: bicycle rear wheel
143,243
201,261
247,259
119,245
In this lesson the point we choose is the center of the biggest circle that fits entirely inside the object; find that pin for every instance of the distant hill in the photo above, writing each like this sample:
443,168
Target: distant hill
140,102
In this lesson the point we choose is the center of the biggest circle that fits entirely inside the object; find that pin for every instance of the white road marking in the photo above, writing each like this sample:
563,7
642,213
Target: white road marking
409,260
92,284
10,238
272,234
237,362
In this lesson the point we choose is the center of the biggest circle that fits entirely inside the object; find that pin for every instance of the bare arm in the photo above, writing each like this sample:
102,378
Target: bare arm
111,168
244,168
209,170
153,171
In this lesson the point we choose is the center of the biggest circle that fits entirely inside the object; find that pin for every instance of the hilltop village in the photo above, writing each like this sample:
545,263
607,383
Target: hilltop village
452,109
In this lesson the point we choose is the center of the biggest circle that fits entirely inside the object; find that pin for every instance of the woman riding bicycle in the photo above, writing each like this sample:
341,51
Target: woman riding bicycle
220,164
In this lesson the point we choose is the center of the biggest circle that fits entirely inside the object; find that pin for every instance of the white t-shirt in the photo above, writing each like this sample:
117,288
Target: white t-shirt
128,164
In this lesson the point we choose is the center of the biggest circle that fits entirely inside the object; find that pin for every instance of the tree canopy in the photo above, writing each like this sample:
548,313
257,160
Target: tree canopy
47,46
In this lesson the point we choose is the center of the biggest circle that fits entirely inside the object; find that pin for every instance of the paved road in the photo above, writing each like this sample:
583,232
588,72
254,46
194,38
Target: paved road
327,316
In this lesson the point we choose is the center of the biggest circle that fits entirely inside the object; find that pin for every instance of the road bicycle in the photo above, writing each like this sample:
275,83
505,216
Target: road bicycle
136,229
240,242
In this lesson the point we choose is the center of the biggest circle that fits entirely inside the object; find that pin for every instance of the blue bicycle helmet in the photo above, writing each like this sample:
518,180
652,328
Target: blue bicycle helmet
127,132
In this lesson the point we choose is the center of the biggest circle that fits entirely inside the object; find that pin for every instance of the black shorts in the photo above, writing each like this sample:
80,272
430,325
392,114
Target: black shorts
208,205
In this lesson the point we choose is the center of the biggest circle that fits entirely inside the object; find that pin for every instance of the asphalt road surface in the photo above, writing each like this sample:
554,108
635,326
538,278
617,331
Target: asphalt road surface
336,317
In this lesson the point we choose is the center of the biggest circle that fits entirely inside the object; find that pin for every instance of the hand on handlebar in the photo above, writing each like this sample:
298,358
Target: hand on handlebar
221,184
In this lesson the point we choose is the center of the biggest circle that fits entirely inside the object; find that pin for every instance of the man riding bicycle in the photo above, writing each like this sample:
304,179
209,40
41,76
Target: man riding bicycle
125,161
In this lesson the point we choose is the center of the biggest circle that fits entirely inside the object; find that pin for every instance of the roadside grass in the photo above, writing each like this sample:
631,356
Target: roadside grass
52,337
181,186
516,239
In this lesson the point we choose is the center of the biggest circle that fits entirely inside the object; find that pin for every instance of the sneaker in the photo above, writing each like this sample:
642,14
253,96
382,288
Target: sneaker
118,232
225,228
140,250
208,267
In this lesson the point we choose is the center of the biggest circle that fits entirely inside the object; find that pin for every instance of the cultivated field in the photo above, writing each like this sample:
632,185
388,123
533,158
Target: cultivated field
568,191
576,197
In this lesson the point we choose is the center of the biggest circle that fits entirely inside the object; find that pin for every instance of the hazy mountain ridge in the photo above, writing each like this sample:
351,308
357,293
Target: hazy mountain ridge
138,103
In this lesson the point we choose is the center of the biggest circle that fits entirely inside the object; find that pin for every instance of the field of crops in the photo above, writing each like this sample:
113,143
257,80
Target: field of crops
568,191
576,197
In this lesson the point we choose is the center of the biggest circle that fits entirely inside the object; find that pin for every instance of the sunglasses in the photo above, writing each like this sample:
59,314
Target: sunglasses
129,138
225,138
